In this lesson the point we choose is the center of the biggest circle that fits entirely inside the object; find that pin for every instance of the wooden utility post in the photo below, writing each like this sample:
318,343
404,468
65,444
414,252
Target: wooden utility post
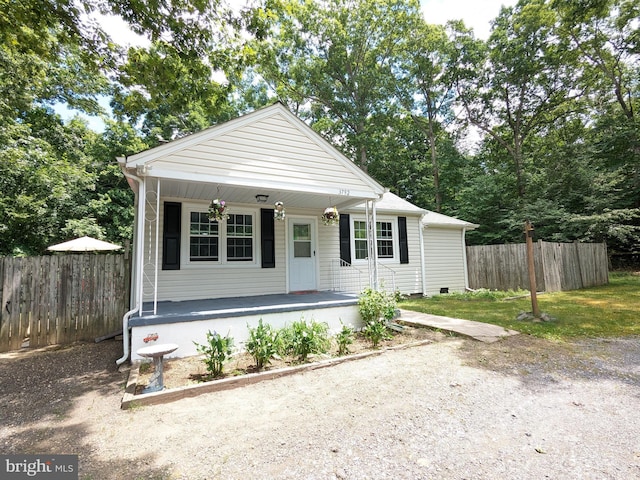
528,233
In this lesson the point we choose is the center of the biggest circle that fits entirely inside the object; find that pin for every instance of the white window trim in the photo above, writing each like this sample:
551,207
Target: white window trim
185,254
395,240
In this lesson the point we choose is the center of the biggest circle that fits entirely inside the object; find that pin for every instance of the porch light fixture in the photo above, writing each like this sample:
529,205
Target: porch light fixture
278,213
261,198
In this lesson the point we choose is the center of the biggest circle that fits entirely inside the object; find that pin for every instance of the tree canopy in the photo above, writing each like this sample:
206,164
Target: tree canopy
537,122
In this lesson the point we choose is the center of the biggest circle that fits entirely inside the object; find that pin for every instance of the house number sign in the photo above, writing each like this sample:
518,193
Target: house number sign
344,191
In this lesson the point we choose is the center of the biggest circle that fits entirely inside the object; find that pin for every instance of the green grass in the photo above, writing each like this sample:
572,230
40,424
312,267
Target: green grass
611,310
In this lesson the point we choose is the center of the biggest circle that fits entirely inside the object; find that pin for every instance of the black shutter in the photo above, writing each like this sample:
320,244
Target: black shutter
345,238
268,240
404,243
171,236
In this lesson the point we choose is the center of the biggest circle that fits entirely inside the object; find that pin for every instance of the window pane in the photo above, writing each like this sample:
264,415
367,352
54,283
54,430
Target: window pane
239,249
302,249
301,232
385,249
360,230
383,230
385,239
240,238
203,248
203,241
361,250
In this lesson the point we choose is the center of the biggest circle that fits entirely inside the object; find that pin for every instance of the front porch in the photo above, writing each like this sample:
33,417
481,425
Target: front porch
186,322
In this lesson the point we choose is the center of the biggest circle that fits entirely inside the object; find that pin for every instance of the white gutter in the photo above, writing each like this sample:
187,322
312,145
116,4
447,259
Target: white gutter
423,267
138,278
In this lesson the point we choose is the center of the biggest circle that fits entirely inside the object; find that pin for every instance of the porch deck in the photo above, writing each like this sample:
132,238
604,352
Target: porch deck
217,308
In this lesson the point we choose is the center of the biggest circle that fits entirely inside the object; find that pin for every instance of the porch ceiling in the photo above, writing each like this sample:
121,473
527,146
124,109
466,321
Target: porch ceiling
247,195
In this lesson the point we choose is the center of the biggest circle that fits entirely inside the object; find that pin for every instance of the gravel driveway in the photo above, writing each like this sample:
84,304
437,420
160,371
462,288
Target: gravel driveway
521,408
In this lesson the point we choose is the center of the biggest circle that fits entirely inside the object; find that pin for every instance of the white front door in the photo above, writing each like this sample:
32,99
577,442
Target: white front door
302,255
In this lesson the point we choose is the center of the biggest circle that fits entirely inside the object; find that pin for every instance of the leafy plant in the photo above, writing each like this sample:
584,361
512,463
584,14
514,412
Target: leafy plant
262,344
302,339
376,308
217,350
344,338
375,331
376,305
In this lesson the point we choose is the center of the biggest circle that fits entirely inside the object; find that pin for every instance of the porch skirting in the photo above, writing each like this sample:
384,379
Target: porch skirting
184,323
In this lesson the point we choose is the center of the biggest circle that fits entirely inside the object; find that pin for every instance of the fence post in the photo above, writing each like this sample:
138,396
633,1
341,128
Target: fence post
528,231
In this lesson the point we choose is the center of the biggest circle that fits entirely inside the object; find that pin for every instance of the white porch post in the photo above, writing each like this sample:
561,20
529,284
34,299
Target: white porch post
150,256
372,243
139,254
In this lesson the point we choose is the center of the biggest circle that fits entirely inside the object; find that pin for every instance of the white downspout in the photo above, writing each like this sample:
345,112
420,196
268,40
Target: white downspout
138,277
464,260
423,266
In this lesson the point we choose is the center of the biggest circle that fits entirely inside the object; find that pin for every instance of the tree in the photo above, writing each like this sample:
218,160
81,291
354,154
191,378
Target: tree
335,62
426,90
524,83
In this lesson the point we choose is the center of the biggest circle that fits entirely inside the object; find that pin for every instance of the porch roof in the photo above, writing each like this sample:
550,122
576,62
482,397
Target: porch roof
209,309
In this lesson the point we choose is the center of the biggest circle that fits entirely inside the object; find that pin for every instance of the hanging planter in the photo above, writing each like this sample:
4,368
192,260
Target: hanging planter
218,210
330,216
278,213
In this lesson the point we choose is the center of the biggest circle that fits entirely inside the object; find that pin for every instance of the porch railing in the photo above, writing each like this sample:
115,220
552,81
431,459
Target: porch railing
347,278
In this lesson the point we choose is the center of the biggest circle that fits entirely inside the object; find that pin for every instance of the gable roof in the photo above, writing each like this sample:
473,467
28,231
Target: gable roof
440,220
269,148
393,204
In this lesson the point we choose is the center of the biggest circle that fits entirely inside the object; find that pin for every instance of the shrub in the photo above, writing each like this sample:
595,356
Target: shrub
217,350
375,331
344,338
262,344
376,305
376,308
302,339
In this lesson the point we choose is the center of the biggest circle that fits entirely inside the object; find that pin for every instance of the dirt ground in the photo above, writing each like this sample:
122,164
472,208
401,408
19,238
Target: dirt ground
180,372
521,408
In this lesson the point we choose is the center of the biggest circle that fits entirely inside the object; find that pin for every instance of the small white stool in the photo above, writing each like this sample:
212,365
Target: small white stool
157,352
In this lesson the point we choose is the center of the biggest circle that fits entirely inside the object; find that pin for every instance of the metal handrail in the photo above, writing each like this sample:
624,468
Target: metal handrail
347,278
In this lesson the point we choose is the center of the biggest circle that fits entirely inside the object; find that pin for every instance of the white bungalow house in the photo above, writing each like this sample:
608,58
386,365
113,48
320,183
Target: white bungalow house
274,255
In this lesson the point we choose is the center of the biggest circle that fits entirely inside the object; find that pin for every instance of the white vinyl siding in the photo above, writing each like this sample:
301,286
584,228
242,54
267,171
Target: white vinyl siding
271,151
197,280
444,250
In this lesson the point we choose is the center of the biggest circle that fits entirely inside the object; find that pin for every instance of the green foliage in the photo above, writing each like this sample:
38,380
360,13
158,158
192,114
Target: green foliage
344,338
482,294
375,305
263,344
217,350
376,308
375,331
303,338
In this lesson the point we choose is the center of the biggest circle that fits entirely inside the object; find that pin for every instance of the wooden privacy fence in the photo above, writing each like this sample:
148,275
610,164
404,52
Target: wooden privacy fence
559,266
61,299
